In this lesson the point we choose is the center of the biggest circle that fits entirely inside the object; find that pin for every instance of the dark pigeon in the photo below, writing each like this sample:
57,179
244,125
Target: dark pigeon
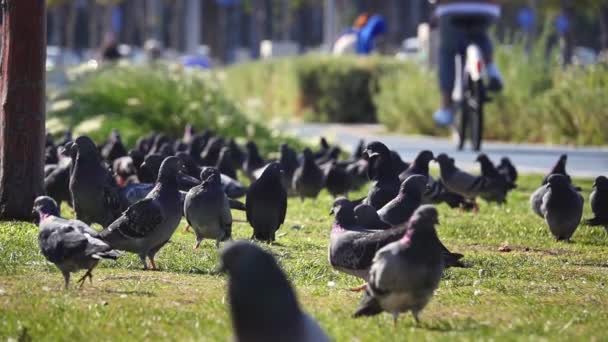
599,203
288,158
406,273
94,191
69,244
559,168
323,148
367,217
225,164
263,304
146,226
489,172
398,164
385,181
420,165
308,179
358,151
253,160
266,203
337,180
148,170
211,153
562,207
207,209
237,154
401,208
507,170
113,148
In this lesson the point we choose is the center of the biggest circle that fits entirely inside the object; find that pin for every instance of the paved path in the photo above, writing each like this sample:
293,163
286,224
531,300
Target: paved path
529,158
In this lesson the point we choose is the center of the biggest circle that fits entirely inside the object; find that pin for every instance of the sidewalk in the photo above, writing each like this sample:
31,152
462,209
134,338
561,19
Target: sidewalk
528,158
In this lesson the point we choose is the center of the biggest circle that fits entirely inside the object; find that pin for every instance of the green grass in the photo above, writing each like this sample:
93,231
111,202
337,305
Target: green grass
541,290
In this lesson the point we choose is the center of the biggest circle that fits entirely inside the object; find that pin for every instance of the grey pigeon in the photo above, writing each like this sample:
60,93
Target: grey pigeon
337,180
400,209
599,203
266,203
559,168
500,185
467,185
207,209
536,200
405,274
93,188
385,181
263,304
232,187
146,226
562,207
70,244
308,179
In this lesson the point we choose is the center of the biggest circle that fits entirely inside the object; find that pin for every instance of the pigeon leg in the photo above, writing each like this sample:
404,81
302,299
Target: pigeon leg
143,260
395,317
198,244
187,228
358,288
153,264
416,318
217,244
84,277
66,278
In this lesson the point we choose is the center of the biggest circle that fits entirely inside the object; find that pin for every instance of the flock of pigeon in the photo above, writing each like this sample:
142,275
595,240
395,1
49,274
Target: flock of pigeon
387,238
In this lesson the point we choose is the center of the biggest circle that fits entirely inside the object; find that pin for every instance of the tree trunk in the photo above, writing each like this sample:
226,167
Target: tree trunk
604,27
22,114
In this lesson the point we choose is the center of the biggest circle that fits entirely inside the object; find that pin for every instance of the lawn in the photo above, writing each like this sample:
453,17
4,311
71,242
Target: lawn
540,290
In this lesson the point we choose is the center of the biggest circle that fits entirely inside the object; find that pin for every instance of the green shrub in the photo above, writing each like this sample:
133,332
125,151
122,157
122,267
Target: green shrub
138,100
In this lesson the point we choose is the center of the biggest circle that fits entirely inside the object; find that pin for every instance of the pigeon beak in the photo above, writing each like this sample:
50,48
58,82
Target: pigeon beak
35,217
331,212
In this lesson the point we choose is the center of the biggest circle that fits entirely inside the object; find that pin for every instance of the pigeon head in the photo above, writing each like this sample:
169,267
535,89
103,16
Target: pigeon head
137,157
170,168
505,161
334,153
376,148
115,136
560,165
601,183
445,162
211,175
85,147
225,153
424,218
414,185
271,171
68,150
558,181
482,158
251,147
44,207
324,144
343,210
49,140
261,297
424,157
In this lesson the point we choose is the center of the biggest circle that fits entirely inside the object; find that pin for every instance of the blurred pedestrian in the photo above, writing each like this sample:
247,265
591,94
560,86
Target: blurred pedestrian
109,48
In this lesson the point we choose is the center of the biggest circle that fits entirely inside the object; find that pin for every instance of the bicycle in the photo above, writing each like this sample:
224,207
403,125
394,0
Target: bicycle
470,94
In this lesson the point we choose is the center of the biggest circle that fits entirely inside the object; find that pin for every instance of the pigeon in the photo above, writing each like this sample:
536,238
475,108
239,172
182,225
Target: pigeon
398,164
405,273
324,148
507,170
385,181
308,179
69,244
358,151
489,171
57,181
562,207
114,148
337,180
357,171
467,185
599,203
288,159
207,209
420,165
237,154
367,217
232,187
225,164
253,161
50,151
211,153
266,203
126,168
94,191
536,200
148,170
263,304
400,209
146,226
558,168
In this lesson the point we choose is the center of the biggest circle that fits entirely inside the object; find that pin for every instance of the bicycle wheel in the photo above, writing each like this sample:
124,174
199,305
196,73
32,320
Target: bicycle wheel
461,124
476,114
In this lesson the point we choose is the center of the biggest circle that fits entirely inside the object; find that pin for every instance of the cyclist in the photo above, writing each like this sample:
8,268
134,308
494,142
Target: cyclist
453,39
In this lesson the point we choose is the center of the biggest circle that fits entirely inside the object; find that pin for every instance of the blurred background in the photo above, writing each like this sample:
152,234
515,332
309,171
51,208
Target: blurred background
232,31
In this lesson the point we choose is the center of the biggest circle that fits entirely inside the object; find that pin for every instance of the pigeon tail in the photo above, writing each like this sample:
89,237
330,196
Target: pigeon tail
236,205
597,221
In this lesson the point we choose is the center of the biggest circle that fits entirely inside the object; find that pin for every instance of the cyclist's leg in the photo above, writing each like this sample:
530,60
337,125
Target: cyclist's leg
481,38
449,38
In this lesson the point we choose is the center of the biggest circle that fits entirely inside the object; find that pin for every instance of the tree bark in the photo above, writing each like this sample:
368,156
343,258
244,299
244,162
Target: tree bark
22,116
